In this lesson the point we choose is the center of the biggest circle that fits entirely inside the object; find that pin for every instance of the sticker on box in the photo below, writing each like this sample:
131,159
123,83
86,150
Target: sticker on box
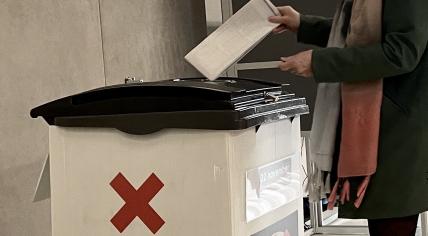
271,186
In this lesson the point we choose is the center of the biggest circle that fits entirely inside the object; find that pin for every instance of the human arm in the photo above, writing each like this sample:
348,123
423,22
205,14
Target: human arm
405,37
314,30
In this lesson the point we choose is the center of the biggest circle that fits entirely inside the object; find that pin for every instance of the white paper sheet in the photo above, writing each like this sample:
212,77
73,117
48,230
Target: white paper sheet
234,39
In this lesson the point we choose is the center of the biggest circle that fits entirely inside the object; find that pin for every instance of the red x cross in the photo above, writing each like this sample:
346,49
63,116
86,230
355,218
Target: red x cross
137,203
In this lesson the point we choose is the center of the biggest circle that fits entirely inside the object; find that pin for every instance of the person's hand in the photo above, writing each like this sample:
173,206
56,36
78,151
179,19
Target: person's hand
289,20
299,64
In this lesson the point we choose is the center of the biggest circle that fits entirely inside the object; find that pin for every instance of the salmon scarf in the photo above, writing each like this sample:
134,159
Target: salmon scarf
361,104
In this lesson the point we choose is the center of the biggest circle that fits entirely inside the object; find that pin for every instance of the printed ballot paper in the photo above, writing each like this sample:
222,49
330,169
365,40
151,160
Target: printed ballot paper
234,39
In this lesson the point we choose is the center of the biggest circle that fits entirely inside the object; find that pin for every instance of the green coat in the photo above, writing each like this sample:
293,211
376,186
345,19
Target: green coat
400,186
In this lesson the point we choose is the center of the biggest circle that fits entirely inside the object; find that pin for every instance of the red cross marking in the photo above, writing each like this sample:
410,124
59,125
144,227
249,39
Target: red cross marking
137,203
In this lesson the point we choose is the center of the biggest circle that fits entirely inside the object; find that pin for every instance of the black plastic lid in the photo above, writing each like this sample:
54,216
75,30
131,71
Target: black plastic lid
142,108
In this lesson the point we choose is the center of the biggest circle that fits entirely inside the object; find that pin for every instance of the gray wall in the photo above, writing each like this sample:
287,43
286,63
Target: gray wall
53,48
148,39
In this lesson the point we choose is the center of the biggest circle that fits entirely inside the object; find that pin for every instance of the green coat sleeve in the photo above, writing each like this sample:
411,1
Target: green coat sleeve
314,30
405,36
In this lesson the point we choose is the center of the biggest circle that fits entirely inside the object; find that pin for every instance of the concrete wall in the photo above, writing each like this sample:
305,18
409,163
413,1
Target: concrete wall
48,48
53,48
148,39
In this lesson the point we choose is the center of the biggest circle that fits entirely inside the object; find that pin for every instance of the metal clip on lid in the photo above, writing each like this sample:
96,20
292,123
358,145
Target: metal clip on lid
270,98
129,80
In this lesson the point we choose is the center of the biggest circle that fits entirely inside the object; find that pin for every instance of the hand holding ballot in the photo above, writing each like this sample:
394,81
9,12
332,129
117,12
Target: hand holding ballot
288,20
301,63
241,33
234,39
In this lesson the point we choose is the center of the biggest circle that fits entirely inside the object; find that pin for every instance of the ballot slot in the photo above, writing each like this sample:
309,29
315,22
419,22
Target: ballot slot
267,108
303,87
266,99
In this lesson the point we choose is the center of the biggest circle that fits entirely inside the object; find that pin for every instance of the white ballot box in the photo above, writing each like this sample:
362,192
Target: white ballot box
176,158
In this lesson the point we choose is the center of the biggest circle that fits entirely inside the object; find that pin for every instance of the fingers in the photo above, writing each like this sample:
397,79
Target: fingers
280,29
299,64
287,66
289,17
285,10
286,20
276,19
292,65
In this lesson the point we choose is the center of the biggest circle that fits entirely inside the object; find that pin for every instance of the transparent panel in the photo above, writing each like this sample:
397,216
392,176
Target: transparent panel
285,227
271,186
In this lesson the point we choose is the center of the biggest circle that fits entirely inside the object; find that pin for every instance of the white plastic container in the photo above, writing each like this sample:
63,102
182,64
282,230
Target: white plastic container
203,175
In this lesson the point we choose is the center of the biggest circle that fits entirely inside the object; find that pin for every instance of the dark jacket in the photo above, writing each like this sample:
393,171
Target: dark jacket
400,186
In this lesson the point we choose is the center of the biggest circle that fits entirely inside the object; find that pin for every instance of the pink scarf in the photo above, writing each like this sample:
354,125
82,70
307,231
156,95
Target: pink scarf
361,105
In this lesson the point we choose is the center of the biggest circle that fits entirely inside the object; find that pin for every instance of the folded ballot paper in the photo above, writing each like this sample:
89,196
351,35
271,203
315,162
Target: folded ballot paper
234,39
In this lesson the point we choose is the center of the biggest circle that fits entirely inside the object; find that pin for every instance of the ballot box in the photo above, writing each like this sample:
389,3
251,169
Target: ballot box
184,157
